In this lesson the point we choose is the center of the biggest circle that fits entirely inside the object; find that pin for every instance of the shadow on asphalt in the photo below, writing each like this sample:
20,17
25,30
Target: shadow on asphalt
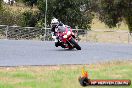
66,50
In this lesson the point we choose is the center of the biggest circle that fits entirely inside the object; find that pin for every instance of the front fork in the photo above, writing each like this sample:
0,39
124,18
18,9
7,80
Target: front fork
70,42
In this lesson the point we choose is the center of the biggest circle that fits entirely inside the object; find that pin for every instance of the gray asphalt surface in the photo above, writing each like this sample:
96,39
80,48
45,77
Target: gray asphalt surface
23,52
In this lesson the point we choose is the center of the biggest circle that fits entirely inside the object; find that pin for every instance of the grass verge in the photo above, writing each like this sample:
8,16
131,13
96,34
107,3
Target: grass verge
64,76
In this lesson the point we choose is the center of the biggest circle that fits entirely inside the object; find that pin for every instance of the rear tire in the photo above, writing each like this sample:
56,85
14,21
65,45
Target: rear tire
75,44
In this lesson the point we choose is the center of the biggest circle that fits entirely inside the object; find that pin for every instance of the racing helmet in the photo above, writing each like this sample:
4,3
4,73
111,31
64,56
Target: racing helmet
54,22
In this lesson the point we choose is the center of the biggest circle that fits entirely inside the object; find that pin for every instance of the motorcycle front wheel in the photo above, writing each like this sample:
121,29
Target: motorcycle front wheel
72,41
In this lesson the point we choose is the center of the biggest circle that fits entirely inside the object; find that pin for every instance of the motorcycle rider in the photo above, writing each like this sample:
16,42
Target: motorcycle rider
55,24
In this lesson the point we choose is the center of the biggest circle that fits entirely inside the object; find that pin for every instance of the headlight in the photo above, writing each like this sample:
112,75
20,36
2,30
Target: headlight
68,33
65,36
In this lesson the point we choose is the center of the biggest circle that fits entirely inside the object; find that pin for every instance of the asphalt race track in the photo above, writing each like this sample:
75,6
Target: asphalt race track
24,52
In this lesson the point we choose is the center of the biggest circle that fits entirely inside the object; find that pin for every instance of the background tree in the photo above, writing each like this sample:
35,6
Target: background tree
0,4
30,2
77,12
112,12
67,11
30,18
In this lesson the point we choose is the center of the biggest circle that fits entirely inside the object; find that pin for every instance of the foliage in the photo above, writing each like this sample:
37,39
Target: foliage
7,17
112,12
67,11
40,23
30,18
72,12
27,18
30,2
0,4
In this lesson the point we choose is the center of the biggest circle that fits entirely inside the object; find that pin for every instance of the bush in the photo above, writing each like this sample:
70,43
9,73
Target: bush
10,18
27,18
30,18
0,4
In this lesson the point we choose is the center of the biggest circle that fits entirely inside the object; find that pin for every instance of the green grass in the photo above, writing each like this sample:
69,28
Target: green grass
64,76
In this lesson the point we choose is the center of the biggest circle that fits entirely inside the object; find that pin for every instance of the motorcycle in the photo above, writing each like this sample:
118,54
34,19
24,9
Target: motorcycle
67,38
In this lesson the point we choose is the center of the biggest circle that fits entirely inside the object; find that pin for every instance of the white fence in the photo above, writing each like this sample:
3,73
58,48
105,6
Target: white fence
29,33
33,33
112,36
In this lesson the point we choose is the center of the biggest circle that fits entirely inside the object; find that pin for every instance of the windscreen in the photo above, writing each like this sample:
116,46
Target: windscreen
63,28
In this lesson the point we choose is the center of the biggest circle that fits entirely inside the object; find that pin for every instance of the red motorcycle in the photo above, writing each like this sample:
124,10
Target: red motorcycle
67,38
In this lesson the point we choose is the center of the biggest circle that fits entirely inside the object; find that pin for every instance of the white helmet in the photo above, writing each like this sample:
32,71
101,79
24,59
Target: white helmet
54,22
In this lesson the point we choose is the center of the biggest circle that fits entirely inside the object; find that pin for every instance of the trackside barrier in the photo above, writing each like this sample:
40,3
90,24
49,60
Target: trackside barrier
34,33
112,36
29,33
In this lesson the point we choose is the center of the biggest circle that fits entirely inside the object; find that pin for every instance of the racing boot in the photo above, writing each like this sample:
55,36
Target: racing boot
57,43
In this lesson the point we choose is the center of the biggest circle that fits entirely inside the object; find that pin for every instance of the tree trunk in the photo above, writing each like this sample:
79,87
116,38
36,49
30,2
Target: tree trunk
129,22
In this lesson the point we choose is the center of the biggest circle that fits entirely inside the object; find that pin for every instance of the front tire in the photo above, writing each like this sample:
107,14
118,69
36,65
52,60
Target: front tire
72,41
